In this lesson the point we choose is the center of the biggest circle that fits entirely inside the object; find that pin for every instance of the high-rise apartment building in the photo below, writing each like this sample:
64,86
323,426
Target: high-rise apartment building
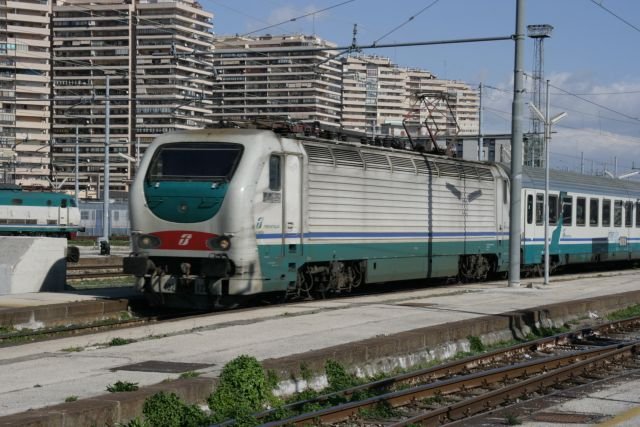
277,76
377,93
24,91
145,50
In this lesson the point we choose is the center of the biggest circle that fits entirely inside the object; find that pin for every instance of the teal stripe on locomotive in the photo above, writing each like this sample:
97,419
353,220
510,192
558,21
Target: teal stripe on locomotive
184,201
385,261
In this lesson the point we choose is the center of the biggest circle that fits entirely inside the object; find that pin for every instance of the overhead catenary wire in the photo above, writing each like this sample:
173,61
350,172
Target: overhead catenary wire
411,18
620,18
298,17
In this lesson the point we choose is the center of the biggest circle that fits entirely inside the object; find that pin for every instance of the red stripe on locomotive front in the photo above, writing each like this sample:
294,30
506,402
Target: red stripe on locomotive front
184,240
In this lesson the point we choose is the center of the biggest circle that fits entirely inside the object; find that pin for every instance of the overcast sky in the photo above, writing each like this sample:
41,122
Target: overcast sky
593,52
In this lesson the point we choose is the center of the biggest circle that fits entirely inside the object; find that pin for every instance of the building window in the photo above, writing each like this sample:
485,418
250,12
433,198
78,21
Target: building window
84,215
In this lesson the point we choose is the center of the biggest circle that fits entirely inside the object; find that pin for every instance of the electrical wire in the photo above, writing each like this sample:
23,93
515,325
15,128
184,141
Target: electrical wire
615,15
300,17
411,18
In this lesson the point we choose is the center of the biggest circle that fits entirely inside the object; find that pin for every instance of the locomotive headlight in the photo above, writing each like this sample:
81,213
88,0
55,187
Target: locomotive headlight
220,243
147,241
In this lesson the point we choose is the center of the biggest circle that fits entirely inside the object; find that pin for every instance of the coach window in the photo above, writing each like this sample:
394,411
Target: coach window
617,213
275,175
567,210
628,214
529,209
606,213
539,209
594,208
63,203
638,214
581,211
553,209
16,202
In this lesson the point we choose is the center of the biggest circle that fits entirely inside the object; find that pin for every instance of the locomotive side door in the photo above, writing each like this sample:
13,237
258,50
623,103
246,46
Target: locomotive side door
292,219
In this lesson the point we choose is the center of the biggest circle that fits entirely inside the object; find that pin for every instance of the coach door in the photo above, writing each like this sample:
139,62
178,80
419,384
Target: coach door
292,220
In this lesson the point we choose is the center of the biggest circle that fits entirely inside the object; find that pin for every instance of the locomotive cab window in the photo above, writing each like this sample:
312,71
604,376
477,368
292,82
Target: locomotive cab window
617,213
553,209
606,213
195,162
275,172
567,211
539,209
594,210
581,211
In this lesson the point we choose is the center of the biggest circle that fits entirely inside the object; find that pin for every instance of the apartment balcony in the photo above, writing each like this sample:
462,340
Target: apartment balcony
23,29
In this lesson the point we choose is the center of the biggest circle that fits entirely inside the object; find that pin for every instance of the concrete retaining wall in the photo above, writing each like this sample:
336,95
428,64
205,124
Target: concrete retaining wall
32,264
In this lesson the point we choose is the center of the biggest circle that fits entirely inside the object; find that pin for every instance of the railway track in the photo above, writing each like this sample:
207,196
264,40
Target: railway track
94,271
461,389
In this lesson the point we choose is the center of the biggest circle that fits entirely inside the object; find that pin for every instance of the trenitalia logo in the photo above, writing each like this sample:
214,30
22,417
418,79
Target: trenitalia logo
183,240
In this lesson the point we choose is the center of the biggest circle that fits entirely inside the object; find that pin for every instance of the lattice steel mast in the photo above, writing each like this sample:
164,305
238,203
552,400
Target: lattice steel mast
534,148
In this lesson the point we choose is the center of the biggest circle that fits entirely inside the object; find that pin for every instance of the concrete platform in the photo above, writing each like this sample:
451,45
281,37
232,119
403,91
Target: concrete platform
374,332
37,310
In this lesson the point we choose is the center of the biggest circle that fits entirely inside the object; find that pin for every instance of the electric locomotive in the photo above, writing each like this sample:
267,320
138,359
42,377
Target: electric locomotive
224,213
37,213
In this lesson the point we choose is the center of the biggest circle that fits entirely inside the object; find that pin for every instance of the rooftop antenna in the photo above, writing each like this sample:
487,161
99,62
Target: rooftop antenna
533,152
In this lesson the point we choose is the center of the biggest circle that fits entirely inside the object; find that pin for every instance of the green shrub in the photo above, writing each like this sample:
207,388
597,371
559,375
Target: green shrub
338,377
167,410
119,341
122,386
243,389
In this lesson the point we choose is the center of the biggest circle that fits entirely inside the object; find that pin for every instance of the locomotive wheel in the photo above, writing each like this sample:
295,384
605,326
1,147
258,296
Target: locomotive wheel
474,267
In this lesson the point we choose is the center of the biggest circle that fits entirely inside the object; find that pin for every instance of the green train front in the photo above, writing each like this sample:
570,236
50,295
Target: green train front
192,220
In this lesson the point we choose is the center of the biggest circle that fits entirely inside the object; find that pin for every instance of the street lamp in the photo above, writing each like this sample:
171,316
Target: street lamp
544,118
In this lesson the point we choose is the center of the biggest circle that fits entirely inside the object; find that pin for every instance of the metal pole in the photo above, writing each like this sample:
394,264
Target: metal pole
516,150
105,188
480,125
77,165
547,140
615,166
581,157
